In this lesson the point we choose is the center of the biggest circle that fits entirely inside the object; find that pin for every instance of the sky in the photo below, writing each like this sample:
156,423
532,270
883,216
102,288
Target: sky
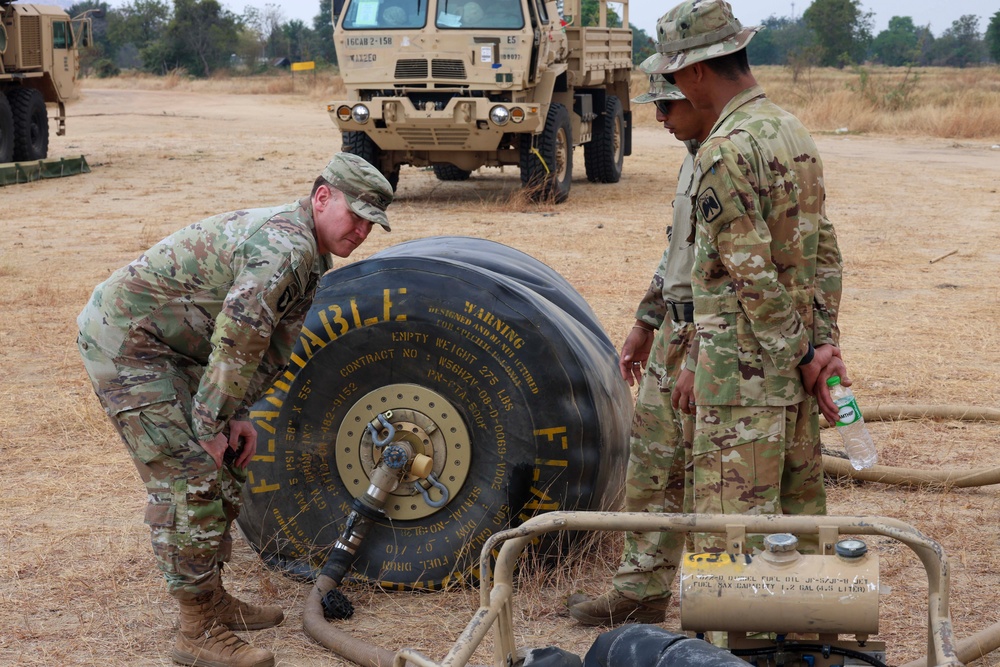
644,13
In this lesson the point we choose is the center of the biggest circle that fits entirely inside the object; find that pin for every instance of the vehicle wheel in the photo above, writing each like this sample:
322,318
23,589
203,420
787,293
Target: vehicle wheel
489,362
362,145
605,153
547,159
6,131
449,172
31,124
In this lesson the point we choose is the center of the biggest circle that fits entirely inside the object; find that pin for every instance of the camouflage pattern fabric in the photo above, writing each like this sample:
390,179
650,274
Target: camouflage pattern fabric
190,505
767,283
184,339
225,297
694,31
757,460
767,268
658,476
365,189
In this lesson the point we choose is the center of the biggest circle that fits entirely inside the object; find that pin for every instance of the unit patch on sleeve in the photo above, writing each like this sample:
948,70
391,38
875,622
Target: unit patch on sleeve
708,205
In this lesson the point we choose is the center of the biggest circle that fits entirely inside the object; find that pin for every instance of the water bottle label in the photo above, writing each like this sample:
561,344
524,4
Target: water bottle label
848,411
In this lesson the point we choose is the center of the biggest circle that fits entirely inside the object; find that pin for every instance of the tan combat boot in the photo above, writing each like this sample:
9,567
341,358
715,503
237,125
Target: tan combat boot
238,615
203,641
613,608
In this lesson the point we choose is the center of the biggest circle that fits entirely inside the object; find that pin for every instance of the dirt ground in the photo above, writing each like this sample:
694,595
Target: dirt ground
77,582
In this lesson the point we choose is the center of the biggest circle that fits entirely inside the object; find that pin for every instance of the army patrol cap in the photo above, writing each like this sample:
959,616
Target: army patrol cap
366,190
659,89
694,31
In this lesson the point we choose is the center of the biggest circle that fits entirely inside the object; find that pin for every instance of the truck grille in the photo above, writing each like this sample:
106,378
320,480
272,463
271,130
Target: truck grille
448,69
434,137
440,69
31,41
411,69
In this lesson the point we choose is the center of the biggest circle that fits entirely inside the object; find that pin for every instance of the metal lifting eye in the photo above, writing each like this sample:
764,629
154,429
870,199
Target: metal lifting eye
439,486
390,431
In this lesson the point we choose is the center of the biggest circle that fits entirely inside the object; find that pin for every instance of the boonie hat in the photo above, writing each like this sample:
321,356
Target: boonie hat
694,31
366,190
659,89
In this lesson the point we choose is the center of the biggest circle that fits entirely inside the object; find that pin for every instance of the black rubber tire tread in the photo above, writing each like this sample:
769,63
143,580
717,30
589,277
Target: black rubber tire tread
601,156
360,144
449,172
541,183
31,124
6,130
443,286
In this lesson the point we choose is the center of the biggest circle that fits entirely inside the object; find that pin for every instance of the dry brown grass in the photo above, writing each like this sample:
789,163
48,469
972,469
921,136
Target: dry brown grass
942,102
77,582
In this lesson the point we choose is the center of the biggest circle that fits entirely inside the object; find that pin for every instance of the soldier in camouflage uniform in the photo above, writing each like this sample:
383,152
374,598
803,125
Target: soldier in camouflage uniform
660,444
180,343
766,280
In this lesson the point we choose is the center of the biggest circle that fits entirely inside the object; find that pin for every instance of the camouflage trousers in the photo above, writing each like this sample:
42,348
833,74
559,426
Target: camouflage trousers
757,460
190,503
656,479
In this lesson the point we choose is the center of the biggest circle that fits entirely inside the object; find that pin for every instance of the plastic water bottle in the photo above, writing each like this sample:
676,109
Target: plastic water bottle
851,426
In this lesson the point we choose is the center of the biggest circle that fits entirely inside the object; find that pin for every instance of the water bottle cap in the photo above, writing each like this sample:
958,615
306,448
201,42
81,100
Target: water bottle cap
834,379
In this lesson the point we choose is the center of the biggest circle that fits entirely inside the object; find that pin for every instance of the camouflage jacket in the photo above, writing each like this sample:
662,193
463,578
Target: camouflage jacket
672,280
224,298
767,268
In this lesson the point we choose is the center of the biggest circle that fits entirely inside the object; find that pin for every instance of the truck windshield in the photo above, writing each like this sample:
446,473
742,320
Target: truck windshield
502,14
385,14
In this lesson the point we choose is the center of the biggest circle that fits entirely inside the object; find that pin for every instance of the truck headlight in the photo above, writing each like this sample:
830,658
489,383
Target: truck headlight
517,114
499,115
360,113
344,113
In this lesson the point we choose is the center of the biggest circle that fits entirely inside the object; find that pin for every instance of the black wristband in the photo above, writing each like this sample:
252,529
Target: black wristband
809,355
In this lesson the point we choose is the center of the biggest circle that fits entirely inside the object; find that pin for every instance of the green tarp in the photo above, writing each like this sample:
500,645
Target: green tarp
56,167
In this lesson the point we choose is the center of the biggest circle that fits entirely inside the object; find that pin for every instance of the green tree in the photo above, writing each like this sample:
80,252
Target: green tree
134,27
780,40
899,44
101,48
200,37
643,46
993,38
960,45
842,30
323,33
590,12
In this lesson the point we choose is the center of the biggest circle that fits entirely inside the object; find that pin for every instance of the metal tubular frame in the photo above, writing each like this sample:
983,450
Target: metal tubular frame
497,587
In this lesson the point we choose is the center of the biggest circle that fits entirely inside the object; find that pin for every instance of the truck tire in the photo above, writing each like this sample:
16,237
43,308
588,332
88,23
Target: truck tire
490,363
547,158
362,145
449,172
6,131
31,124
605,153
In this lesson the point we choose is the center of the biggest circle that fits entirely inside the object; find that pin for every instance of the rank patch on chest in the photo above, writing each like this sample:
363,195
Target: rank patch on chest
709,205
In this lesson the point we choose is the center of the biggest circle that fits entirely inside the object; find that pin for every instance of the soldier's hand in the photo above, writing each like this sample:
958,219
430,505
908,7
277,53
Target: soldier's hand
216,448
825,363
682,396
243,441
634,352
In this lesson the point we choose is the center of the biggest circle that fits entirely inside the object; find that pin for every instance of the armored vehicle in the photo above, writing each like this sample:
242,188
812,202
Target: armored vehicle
462,84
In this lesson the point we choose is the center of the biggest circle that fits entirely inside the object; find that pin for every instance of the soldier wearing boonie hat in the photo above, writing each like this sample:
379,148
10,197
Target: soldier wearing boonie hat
180,343
658,478
694,31
767,265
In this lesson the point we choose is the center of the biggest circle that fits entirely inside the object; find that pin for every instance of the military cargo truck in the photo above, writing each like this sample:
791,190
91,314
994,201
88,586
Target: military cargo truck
38,66
462,84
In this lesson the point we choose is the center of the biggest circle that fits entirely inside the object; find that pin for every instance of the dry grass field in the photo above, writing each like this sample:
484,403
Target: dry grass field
77,581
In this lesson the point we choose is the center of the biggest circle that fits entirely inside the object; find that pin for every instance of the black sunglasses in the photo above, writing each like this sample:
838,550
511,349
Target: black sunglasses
663,106
669,78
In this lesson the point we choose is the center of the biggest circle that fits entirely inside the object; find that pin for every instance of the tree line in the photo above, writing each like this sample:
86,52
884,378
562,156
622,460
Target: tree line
202,36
